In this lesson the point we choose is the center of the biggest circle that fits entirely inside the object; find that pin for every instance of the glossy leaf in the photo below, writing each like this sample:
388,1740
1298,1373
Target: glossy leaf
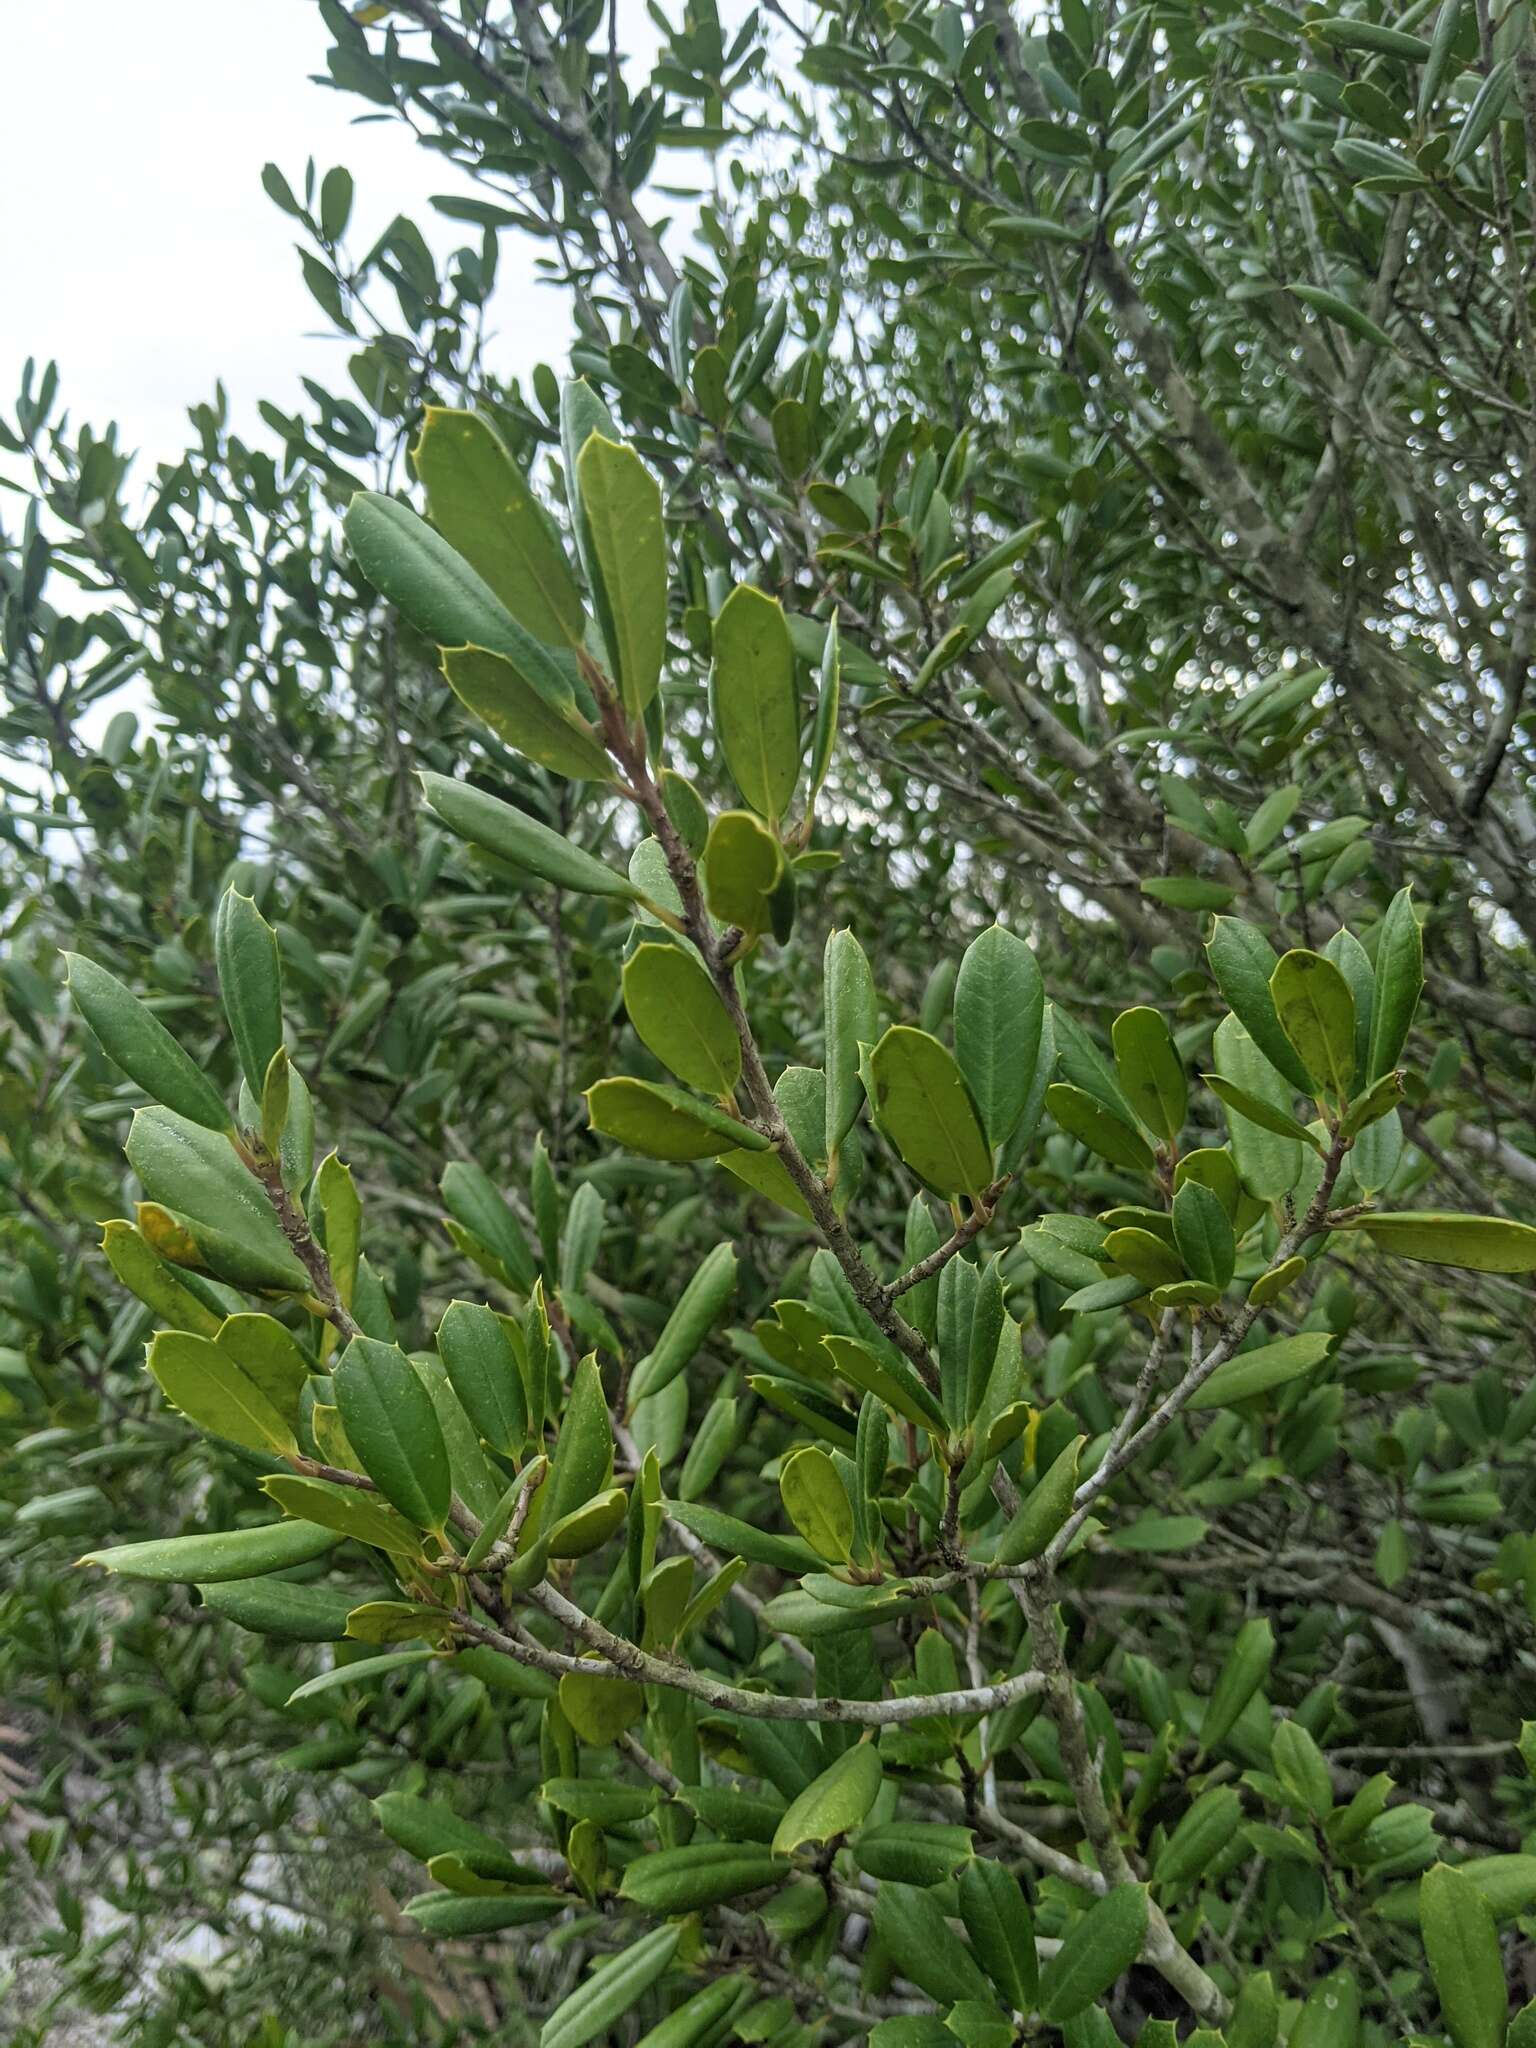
752,700
925,1108
679,1017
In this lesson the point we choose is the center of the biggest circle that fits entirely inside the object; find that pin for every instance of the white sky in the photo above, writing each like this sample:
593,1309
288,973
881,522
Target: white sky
137,246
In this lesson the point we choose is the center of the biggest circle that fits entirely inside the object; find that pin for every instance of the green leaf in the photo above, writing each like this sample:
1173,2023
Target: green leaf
337,1199
432,586
393,1426
482,1368
664,1123
1096,1950
1255,1110
834,1803
752,700
250,983
678,1016
1044,1510
828,701
1203,1234
583,1461
269,1356
699,1874
1186,892
1243,961
744,872
278,1607
922,1103
628,564
816,1501
735,1538
1399,984
1242,1673
1340,310
210,1388
1302,1770
133,1261
1150,1071
480,502
1268,1161
344,1512
139,1043
498,694
512,835
1202,1833
344,1676
1435,1237
1083,1116
851,1012
1317,1014
698,1307
1001,1930
699,2018
1256,1372
924,1948
999,1019
217,1554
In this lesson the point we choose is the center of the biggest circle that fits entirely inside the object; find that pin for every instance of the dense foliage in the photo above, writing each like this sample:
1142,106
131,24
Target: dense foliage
807,1052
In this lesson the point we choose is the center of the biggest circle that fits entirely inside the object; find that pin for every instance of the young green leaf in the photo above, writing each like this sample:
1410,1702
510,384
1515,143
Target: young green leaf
1001,1928
473,1344
497,692
481,504
1434,1237
134,1037
1044,1510
698,1307
1267,1158
1242,960
250,983
614,1988
1317,1014
1203,1234
512,835
816,1501
664,1123
851,1013
999,1018
916,1935
752,700
393,1426
628,563
208,1385
1096,1951
1150,1071
583,1461
923,1105
834,1803
678,1016
1399,984
217,1554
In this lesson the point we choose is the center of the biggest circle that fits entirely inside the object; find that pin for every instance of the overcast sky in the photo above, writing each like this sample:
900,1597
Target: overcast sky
136,244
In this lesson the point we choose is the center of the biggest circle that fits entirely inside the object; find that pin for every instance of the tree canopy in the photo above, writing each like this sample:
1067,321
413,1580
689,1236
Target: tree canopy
766,1143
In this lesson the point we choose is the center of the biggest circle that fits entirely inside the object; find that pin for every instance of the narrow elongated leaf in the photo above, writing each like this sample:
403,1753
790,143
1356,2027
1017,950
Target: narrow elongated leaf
1268,1161
1096,1951
622,506
1083,1116
999,1018
699,1874
752,700
851,1012
1436,1237
1044,1510
698,1307
1243,961
250,984
613,1989
498,693
1271,1365
664,1123
1399,984
480,502
214,1555
925,1949
678,1016
499,828
135,1038
583,1462
473,1344
392,1425
433,586
923,1105
1001,1929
